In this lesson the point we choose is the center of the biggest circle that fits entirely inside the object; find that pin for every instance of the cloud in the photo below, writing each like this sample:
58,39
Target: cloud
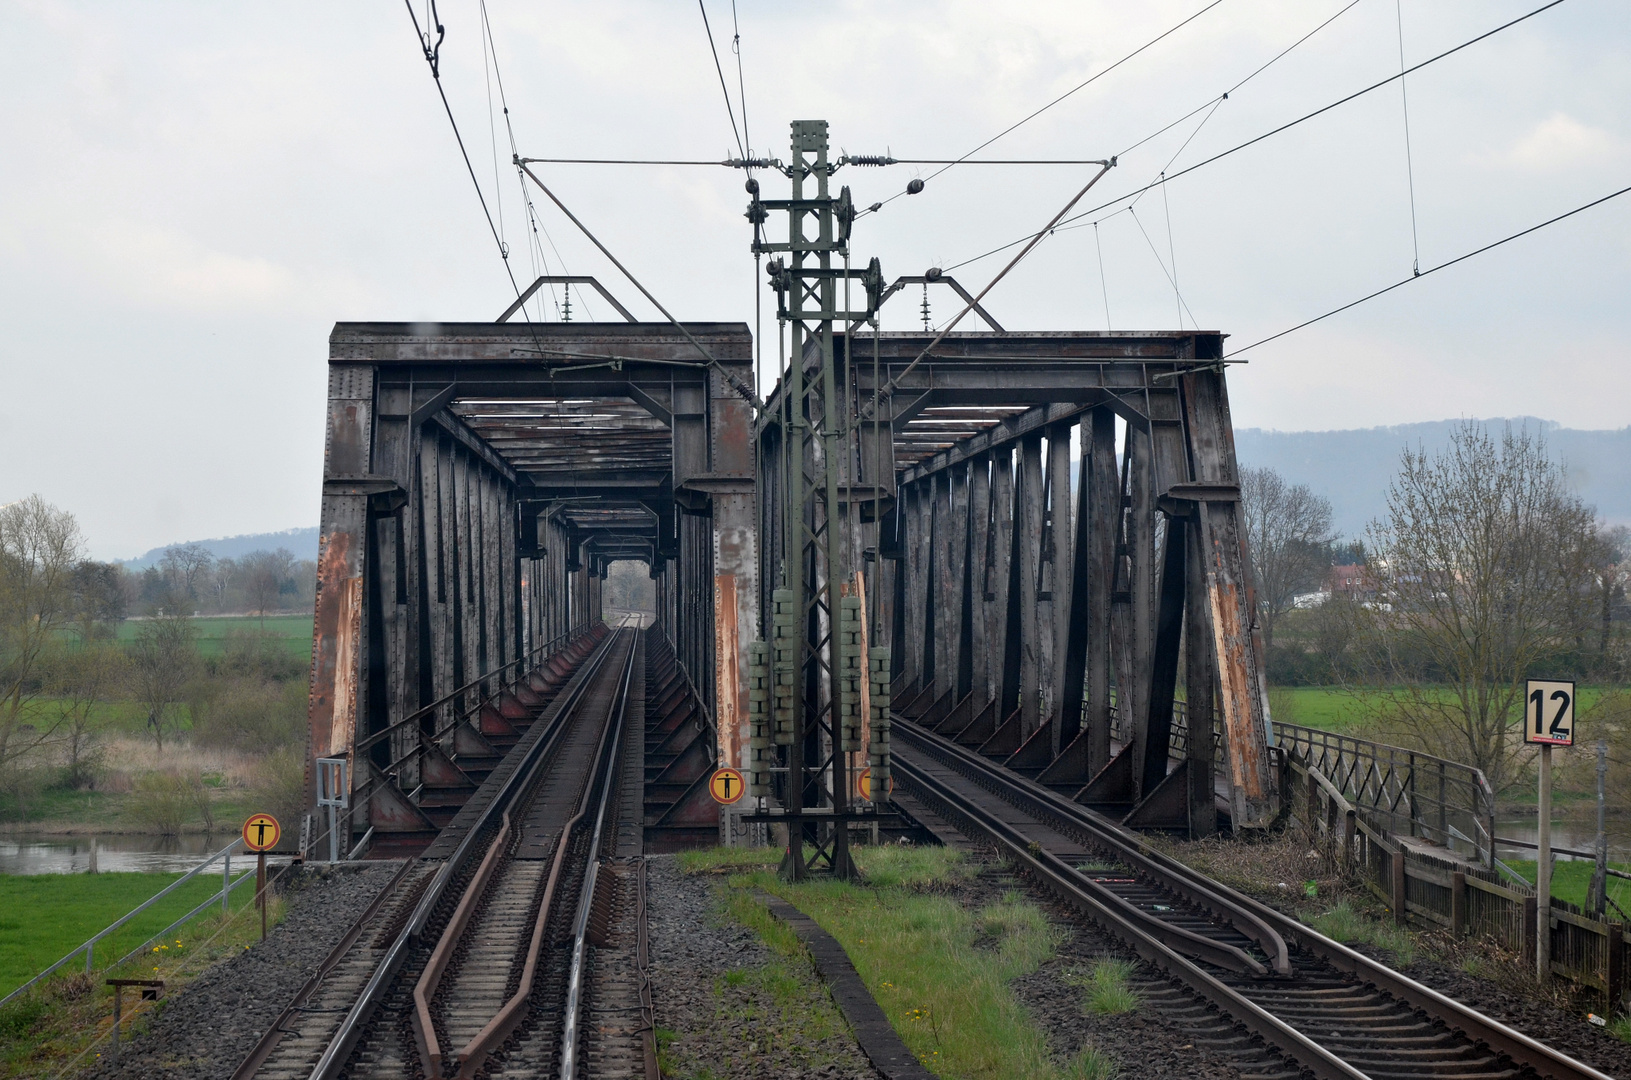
1561,142
161,268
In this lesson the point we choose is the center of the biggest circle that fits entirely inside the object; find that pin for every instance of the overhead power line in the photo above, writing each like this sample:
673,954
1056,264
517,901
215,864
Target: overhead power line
1078,87
1430,270
741,83
741,147
1214,102
737,163
433,58
1269,134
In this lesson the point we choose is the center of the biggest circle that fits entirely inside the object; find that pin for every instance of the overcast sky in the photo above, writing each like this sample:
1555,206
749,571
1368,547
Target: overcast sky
192,194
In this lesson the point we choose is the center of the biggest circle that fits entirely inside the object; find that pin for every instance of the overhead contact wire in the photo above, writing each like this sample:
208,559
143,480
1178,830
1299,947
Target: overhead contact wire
1078,87
432,58
736,383
1430,270
1275,131
1214,102
1409,166
741,147
894,382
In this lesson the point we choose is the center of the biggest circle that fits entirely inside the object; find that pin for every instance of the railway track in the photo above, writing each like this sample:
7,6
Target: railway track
1272,996
482,964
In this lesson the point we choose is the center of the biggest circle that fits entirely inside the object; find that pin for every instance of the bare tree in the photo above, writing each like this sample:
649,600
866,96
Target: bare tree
186,566
39,548
1612,570
1484,567
80,678
267,575
164,657
101,599
1288,528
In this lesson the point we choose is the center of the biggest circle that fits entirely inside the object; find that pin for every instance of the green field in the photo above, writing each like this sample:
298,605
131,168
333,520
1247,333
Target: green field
1333,708
294,630
43,916
1571,879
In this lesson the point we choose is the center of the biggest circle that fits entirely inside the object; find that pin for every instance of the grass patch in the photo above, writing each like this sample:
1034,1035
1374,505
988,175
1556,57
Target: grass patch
1091,1064
1108,986
939,971
54,1024
1620,1028
1343,923
43,916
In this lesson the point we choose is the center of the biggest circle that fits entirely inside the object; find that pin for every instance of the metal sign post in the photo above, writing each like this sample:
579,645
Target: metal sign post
1548,721
333,793
261,831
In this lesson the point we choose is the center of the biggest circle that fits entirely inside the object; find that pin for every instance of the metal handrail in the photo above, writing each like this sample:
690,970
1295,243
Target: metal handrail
1400,783
424,710
363,790
89,947
168,930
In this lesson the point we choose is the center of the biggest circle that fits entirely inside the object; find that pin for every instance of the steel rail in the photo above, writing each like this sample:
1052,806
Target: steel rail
601,780
611,748
356,1021
1074,889
274,1034
1200,891
424,1027
1469,1023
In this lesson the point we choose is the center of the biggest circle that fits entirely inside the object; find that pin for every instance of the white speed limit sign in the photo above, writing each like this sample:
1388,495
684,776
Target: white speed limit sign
1548,717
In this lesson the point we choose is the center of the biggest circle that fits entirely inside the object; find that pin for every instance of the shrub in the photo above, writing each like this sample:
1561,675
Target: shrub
260,655
248,714
162,801
279,789
20,788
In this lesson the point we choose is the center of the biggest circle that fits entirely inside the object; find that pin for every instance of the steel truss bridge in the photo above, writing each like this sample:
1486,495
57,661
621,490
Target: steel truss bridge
1028,541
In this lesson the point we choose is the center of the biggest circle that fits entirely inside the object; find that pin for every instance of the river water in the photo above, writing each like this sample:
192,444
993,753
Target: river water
49,854
1576,831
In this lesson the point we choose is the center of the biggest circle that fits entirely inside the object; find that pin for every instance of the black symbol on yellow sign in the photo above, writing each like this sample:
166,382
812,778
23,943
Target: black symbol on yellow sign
727,787
261,832
863,786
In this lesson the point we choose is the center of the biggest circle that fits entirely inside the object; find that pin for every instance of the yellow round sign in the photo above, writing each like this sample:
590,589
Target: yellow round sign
261,832
727,787
863,786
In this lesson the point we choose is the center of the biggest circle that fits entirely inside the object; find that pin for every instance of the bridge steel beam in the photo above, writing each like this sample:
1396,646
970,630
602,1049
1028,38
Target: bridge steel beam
478,479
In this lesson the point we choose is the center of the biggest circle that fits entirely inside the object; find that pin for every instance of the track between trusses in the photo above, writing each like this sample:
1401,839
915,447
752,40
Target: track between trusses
1270,995
487,963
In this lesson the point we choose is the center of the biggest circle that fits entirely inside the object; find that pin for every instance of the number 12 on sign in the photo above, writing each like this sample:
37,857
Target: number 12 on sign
1549,713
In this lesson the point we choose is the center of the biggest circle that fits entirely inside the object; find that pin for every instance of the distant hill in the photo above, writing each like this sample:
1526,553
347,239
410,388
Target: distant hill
1353,468
301,542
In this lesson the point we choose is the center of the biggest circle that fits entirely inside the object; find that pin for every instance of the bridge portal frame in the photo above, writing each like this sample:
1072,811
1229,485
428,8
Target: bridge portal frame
1015,587
451,562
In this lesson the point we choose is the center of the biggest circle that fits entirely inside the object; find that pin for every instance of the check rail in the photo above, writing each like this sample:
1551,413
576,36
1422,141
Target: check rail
1299,1005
